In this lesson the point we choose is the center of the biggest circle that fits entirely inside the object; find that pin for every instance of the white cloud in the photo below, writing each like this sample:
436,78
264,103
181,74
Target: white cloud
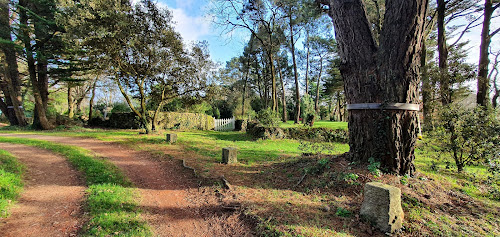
183,3
191,28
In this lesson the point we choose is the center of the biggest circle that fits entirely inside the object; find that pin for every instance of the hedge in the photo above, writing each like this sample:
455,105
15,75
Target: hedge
258,131
165,120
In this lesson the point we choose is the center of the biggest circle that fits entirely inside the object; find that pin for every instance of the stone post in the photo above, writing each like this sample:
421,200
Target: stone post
229,155
171,137
382,207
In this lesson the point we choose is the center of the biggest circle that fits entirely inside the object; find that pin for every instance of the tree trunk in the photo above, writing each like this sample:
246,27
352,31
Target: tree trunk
40,120
91,101
426,90
243,96
8,107
71,103
307,62
316,103
13,86
273,80
284,116
444,80
295,75
388,73
483,83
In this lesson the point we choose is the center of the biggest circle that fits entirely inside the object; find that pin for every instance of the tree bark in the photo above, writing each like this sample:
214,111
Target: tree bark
483,83
388,73
444,81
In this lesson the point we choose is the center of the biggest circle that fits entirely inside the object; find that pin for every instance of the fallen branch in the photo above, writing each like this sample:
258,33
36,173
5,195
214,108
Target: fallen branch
225,183
188,167
301,179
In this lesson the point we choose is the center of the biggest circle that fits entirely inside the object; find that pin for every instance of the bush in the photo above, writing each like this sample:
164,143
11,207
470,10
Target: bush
470,135
307,109
269,118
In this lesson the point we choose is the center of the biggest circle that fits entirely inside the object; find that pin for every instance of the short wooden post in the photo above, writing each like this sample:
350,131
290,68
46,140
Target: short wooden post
229,155
171,137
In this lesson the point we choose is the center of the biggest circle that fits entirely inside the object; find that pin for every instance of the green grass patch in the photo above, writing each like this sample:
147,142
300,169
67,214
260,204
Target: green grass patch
114,210
11,184
317,124
210,143
111,204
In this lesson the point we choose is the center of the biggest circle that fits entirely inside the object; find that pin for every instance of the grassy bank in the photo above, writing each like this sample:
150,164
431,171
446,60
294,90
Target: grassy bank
112,204
11,184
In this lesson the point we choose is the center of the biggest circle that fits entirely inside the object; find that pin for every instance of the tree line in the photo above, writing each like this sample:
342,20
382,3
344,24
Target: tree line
295,64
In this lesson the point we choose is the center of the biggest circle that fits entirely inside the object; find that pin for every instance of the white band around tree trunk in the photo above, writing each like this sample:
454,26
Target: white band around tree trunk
388,106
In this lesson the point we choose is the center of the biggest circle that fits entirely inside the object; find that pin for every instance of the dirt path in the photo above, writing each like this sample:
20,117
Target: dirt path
53,193
164,186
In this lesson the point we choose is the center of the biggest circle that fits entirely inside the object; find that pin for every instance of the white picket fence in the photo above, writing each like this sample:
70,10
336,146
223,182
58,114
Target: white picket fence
224,124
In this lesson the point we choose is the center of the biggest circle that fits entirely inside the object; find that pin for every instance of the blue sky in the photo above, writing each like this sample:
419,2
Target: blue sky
194,25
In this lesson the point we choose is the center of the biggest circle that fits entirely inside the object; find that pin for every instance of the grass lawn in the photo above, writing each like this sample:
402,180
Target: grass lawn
317,124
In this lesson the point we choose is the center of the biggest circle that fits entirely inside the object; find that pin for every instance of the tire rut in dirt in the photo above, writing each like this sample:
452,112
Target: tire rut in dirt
50,204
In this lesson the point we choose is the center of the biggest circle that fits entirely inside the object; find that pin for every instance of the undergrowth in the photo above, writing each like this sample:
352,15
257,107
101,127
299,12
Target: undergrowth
111,203
11,172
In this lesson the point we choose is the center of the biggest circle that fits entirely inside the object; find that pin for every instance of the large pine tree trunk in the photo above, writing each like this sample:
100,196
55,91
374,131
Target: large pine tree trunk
388,73
483,82
444,81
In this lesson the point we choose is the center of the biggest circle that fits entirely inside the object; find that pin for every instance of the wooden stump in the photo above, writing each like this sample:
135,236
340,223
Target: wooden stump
229,155
171,137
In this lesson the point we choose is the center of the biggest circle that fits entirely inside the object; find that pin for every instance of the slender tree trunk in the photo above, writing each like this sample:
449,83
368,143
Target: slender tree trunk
483,83
273,80
284,116
12,73
444,80
426,90
243,96
388,73
40,120
307,62
71,103
91,101
295,74
316,103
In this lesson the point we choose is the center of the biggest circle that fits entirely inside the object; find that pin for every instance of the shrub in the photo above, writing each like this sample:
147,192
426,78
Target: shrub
269,118
307,109
470,135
